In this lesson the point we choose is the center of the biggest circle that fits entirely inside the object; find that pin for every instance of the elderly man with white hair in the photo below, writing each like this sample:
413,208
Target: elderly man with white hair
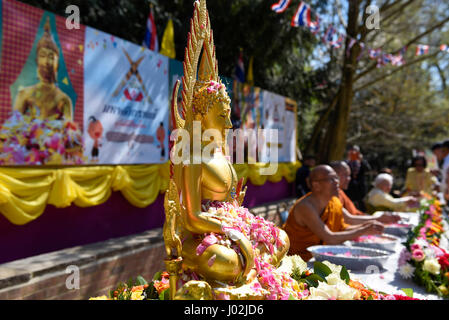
380,199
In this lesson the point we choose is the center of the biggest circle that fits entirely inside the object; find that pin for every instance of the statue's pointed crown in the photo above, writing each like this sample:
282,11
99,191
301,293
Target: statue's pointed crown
200,39
47,41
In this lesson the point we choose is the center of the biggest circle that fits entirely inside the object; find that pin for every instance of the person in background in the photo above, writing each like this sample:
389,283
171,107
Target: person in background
317,217
351,214
359,167
302,174
386,170
419,178
436,149
444,187
379,198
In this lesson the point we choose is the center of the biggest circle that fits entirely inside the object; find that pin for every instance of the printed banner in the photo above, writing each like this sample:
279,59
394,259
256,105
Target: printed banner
82,96
77,96
273,117
41,88
126,101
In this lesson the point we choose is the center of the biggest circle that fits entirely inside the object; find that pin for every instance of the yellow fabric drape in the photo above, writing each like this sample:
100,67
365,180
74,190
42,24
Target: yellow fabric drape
25,191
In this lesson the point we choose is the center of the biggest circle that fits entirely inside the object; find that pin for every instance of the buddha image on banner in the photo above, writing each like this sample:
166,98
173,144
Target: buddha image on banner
39,127
126,101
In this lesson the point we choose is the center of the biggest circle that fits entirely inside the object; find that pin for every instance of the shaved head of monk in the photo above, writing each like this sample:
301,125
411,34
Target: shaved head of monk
344,173
324,182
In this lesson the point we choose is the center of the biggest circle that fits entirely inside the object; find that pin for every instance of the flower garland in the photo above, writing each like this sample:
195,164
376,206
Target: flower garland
290,281
27,140
326,282
425,258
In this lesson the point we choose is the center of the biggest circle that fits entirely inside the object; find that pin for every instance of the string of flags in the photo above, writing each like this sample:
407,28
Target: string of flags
305,17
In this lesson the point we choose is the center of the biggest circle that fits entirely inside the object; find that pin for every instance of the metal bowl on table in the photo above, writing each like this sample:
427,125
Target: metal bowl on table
353,258
386,242
399,230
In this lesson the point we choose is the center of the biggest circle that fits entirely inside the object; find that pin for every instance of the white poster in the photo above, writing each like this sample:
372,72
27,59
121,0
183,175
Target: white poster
126,101
273,118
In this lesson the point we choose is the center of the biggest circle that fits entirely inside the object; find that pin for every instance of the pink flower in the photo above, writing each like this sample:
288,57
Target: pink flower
404,257
207,242
418,255
415,246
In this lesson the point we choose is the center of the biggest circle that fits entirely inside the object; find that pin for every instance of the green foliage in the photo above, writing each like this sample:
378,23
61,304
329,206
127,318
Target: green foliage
312,280
344,274
165,295
321,269
408,292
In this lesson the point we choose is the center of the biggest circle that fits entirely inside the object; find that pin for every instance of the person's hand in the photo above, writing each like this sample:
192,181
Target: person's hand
373,228
412,201
389,217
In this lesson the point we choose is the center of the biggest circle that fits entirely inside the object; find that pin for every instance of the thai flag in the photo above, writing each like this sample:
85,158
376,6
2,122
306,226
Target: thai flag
352,42
315,25
397,60
384,60
337,43
421,49
281,6
240,69
444,47
374,53
150,40
301,16
329,35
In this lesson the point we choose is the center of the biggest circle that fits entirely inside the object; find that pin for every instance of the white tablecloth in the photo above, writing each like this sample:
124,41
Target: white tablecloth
389,280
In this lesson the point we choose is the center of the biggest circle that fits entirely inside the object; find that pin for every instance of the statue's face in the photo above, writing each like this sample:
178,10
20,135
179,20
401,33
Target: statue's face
218,116
47,64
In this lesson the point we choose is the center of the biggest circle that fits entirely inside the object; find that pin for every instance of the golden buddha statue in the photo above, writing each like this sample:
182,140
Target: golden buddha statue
45,99
205,224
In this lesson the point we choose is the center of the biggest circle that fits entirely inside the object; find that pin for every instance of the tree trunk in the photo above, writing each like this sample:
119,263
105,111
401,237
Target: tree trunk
334,144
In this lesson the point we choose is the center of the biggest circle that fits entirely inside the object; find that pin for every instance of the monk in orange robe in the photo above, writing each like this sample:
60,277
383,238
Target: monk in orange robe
317,217
351,214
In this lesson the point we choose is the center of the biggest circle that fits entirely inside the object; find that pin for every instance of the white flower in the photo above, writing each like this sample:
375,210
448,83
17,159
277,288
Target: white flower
233,234
430,253
422,243
334,279
334,268
444,243
432,266
323,292
340,291
289,263
345,292
406,271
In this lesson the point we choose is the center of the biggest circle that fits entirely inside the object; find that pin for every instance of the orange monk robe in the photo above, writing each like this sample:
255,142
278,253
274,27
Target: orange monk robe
302,237
348,204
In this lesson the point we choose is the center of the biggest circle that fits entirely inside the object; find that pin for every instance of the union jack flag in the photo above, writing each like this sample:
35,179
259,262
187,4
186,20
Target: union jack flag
281,6
421,49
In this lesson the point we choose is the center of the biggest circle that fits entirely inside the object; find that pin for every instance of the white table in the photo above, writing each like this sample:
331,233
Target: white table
389,280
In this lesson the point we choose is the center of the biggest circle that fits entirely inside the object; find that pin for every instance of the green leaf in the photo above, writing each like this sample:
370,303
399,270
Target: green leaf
165,295
321,269
140,281
344,274
157,276
370,298
312,280
408,292
290,297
